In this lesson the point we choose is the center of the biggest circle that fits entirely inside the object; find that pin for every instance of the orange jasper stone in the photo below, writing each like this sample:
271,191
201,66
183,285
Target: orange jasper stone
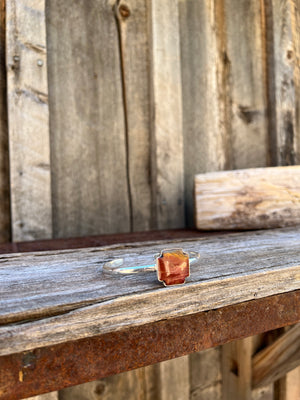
173,267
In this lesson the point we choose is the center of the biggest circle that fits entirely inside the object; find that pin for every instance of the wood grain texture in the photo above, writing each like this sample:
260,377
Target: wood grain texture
244,52
290,388
204,92
37,287
28,117
260,341
4,161
274,361
167,139
128,385
248,199
88,139
283,79
296,64
133,24
174,379
205,375
236,370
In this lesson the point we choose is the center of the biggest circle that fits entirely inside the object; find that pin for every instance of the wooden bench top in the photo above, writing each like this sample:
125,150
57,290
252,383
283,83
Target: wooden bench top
51,300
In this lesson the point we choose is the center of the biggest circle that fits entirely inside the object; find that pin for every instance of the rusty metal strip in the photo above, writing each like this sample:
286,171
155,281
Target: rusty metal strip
52,368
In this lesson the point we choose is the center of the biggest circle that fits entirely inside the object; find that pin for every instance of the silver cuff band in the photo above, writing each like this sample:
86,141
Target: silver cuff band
119,266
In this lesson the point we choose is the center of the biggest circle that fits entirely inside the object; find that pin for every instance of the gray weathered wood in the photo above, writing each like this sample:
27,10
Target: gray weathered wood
4,162
245,58
205,374
88,144
167,139
28,119
204,92
248,199
296,63
71,297
133,24
283,80
277,359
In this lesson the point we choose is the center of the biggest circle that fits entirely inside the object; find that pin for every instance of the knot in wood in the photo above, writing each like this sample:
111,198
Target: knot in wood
124,11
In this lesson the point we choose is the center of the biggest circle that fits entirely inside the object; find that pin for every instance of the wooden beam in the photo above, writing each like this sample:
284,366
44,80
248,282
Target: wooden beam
248,199
276,360
232,269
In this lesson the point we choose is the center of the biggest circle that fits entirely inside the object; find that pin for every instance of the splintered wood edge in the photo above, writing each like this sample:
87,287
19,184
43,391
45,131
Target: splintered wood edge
129,310
256,198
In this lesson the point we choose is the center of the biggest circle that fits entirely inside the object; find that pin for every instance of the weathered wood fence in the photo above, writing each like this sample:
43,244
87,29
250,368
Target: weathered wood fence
109,108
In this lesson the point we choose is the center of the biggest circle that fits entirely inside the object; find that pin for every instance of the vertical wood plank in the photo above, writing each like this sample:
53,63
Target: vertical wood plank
205,375
245,52
236,368
133,24
88,137
167,139
288,387
28,119
283,79
204,92
174,379
4,161
296,61
266,392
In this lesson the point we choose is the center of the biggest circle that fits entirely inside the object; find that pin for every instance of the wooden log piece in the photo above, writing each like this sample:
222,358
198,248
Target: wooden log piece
248,199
